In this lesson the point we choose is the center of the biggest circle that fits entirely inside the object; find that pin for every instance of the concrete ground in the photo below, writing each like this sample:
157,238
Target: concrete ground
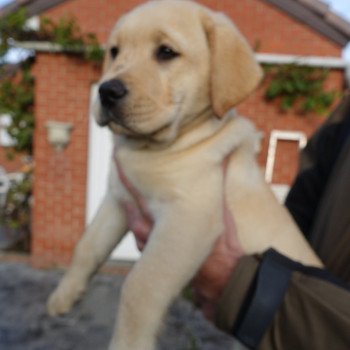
24,324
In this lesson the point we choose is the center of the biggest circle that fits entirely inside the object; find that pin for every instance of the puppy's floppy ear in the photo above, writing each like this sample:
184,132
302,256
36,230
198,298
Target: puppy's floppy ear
234,70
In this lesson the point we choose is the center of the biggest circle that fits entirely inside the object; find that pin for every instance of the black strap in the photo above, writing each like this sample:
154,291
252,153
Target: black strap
269,287
266,294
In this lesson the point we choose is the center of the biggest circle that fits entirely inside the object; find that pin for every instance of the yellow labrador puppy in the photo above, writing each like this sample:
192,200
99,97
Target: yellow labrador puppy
173,72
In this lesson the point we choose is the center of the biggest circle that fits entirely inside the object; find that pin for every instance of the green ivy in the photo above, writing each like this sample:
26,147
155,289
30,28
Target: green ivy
16,212
299,87
67,33
11,27
16,100
17,95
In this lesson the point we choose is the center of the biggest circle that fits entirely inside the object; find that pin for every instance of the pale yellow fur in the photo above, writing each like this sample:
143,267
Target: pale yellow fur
180,128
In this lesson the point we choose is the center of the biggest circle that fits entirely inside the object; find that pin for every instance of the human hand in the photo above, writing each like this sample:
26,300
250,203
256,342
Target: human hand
215,272
140,223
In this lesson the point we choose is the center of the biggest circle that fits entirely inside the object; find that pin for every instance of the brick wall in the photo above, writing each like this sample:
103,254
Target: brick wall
267,117
63,90
62,93
273,30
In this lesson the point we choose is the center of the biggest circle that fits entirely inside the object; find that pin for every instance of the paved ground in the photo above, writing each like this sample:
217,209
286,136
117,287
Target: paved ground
24,324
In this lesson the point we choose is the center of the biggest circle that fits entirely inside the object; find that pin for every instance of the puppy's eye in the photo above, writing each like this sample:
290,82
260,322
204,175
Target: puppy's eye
114,52
166,53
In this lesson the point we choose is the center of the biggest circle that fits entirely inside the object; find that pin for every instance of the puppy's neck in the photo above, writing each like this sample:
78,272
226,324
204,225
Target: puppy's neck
189,132
190,124
202,129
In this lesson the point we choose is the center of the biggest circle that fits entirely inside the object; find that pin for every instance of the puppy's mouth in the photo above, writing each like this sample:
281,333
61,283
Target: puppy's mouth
108,116
124,114
120,124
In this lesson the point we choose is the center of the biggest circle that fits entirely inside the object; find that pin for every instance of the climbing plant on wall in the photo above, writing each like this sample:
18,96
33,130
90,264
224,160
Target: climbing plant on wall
17,101
299,88
64,32
17,92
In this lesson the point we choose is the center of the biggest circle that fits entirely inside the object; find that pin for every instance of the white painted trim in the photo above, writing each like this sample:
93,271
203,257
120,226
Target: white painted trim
311,61
44,46
266,58
41,46
280,135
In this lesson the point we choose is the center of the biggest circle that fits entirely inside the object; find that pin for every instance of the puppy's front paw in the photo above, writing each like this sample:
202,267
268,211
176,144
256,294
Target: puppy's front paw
64,297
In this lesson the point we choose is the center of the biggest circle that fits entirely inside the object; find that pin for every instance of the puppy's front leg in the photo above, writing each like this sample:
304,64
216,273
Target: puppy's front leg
180,242
97,243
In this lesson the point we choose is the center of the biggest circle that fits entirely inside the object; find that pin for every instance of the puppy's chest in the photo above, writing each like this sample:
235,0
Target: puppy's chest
154,177
181,171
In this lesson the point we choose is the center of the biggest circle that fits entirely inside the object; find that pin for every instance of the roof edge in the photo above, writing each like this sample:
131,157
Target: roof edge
33,7
318,16
314,13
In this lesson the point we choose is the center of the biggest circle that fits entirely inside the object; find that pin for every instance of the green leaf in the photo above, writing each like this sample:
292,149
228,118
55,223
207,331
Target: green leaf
292,83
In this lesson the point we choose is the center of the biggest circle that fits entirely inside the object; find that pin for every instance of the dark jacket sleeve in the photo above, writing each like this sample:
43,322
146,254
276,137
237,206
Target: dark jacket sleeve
317,163
314,312
319,158
295,307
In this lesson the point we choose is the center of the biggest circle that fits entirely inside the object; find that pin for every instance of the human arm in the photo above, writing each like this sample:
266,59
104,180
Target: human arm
312,312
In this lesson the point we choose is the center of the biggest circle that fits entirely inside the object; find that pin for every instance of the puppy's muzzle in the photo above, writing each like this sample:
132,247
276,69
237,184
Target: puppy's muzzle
112,93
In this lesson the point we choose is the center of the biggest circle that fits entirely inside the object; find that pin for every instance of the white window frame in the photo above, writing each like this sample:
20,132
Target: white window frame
281,135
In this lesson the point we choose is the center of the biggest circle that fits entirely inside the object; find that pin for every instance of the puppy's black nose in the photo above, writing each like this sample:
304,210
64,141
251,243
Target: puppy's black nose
111,92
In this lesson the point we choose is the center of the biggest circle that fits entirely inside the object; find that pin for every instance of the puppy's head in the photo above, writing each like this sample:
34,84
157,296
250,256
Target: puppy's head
169,61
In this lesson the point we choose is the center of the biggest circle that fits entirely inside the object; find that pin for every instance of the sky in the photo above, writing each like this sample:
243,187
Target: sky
4,2
341,7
